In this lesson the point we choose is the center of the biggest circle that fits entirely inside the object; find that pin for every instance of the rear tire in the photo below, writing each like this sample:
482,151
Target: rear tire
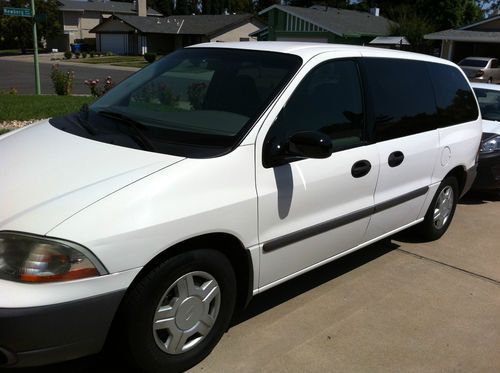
441,210
174,316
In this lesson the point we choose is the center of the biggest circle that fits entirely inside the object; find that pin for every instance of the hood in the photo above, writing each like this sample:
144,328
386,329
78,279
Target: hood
47,175
491,126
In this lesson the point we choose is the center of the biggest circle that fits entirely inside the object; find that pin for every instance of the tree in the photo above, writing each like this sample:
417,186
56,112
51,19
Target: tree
447,14
18,31
165,7
412,26
488,6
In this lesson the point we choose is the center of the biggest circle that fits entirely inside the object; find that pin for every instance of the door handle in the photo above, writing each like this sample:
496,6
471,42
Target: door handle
396,158
361,168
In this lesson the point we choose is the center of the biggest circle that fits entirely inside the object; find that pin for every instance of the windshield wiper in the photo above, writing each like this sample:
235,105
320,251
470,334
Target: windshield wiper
83,120
136,126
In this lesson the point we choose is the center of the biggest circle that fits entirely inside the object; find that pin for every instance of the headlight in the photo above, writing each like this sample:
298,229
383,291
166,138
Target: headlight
489,143
33,259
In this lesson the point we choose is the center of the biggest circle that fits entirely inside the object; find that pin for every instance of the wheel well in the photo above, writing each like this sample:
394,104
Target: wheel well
226,243
461,176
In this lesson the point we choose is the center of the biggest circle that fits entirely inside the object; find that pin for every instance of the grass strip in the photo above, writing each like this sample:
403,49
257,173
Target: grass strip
107,60
26,107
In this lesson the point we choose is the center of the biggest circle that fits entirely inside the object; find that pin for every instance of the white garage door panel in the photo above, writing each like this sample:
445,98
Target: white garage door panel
304,39
116,43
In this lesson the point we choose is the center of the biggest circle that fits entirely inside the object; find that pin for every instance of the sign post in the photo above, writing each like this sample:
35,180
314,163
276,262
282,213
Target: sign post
35,50
29,13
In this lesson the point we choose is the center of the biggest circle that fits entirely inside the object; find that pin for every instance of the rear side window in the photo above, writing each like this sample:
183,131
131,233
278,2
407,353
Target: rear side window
473,63
402,97
454,98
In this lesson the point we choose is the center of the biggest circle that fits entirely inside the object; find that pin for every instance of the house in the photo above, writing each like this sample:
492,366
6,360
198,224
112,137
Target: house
323,24
478,39
79,17
127,34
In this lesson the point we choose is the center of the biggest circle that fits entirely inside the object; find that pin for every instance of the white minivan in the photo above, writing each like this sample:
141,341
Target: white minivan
212,175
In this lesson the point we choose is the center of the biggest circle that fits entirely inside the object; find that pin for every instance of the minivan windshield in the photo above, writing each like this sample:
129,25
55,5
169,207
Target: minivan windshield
473,63
196,102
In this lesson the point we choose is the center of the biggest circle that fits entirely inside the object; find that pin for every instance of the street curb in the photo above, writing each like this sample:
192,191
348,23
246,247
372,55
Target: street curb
29,59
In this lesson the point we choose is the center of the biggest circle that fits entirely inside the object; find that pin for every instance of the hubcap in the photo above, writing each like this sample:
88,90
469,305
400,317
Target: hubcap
187,312
443,207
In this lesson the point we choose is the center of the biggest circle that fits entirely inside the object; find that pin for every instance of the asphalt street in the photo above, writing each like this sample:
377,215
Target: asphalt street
20,74
400,305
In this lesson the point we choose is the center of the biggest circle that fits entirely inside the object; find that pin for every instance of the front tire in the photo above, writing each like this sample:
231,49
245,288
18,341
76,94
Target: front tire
175,315
441,210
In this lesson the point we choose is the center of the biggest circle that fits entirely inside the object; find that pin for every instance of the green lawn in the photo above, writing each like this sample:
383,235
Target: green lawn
21,107
108,59
139,64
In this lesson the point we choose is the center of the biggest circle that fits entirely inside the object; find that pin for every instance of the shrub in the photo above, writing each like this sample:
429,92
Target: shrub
108,54
68,55
150,57
96,90
84,54
77,55
62,80
92,53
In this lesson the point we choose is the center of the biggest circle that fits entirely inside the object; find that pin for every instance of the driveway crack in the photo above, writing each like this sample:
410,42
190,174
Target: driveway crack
489,279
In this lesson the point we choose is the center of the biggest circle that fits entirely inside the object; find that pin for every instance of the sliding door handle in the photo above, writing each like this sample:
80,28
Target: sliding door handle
395,158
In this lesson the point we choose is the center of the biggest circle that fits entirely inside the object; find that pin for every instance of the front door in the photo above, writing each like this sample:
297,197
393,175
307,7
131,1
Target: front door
310,210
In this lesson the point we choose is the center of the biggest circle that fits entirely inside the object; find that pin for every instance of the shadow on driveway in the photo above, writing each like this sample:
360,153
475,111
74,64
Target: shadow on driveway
110,361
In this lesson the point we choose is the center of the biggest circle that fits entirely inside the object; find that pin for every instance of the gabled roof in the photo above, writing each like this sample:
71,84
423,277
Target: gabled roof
183,25
464,34
110,7
489,19
342,22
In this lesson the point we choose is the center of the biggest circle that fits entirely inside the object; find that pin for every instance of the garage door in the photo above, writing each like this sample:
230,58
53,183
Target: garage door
304,39
116,43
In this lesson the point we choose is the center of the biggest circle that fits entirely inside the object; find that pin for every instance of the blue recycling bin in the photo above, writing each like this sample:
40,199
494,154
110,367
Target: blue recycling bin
76,48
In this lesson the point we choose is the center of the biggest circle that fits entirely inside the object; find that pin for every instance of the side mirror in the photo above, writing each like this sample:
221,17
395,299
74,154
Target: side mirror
301,145
310,144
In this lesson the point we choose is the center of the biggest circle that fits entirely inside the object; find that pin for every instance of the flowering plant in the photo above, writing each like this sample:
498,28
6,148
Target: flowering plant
196,94
96,90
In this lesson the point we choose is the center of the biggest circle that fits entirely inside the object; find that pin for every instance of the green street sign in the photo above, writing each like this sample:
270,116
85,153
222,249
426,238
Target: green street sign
17,12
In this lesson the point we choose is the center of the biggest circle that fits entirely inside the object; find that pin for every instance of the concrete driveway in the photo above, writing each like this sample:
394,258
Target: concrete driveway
396,306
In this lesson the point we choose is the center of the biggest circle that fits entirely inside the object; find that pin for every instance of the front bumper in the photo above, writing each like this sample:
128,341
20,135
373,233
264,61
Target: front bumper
488,172
47,334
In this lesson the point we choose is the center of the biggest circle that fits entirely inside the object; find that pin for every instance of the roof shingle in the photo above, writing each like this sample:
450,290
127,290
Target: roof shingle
183,25
342,22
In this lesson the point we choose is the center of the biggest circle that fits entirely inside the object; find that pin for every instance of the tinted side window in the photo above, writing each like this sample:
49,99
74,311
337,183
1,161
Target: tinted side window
454,97
402,97
494,64
328,100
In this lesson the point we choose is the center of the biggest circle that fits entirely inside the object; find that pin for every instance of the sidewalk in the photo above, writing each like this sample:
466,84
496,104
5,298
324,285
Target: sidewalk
48,58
